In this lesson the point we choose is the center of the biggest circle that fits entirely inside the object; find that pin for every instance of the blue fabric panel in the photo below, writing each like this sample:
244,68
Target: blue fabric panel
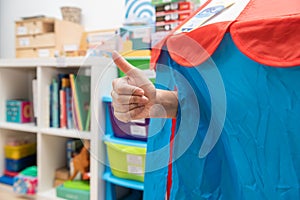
158,146
257,155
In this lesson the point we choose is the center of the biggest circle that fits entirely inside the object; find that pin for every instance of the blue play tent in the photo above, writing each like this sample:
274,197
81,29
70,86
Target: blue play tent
237,130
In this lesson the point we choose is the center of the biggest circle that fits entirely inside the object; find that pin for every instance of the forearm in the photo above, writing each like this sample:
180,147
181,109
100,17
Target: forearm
166,104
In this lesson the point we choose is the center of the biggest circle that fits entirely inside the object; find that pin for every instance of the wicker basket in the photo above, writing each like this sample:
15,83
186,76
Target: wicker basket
72,14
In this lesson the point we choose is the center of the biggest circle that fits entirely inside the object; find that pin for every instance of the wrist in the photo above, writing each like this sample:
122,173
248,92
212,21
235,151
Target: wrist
166,104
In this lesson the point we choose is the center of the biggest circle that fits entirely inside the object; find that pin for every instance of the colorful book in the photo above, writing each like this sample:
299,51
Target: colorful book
55,104
73,147
63,108
81,94
69,108
88,120
50,104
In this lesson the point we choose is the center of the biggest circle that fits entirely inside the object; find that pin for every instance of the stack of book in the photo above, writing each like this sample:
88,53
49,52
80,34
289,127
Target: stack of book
70,102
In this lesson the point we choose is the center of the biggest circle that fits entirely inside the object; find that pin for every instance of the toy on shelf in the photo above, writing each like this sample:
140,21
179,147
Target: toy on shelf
18,110
26,181
81,162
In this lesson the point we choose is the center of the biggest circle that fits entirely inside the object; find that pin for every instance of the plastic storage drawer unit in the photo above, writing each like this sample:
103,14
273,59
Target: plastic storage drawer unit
21,151
18,165
125,161
136,130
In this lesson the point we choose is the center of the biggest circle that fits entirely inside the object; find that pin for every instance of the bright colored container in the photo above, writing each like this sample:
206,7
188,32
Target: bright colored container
19,111
125,161
18,165
20,151
8,180
136,130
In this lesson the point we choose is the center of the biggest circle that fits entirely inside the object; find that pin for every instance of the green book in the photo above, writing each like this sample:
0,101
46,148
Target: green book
88,120
72,194
81,88
78,185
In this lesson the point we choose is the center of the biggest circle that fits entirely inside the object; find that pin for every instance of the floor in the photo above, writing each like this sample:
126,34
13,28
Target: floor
7,194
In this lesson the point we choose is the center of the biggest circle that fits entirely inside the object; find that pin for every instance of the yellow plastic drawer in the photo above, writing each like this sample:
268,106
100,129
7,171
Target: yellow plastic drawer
21,151
126,162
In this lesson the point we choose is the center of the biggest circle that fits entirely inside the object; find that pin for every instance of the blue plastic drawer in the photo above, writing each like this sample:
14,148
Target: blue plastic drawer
7,180
18,165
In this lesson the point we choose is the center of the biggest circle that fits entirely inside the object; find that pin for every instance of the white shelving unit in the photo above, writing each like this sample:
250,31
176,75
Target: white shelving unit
16,82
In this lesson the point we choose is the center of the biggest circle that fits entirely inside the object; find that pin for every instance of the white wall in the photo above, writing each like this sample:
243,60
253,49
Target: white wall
96,14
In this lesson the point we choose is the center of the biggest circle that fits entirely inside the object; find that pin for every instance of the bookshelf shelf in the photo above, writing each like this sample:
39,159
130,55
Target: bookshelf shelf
73,133
28,127
16,77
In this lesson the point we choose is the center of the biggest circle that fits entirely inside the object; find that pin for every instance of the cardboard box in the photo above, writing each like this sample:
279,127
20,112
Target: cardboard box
36,41
34,26
62,173
45,37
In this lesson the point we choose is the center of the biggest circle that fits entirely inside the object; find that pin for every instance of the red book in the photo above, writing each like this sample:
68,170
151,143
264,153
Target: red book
63,109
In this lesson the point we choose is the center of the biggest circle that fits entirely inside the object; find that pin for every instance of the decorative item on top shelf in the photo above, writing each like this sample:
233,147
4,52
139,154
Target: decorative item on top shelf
135,130
46,37
18,110
72,14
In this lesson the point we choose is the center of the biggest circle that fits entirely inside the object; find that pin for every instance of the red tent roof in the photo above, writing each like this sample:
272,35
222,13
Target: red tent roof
266,31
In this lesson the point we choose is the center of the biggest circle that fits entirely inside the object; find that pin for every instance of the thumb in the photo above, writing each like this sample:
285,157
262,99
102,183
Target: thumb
122,64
